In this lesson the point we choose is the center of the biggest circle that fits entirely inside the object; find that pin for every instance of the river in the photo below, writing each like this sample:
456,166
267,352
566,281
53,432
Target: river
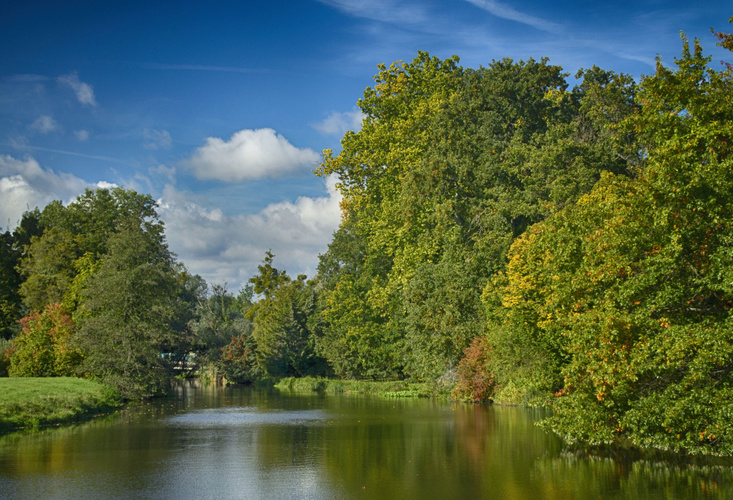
223,443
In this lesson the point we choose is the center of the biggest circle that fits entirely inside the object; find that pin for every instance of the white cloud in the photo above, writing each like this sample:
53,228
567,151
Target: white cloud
105,185
506,12
44,124
24,185
82,135
248,154
223,248
84,91
157,139
387,11
339,123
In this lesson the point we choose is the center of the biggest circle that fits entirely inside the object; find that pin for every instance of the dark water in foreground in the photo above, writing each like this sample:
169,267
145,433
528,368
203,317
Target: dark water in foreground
244,443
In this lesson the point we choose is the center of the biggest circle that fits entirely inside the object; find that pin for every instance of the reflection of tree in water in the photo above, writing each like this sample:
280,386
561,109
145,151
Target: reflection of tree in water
456,451
627,474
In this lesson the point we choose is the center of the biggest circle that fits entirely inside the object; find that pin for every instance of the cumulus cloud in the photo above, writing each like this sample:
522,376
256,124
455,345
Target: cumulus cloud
105,185
248,154
223,248
24,185
219,247
84,91
339,123
44,124
157,139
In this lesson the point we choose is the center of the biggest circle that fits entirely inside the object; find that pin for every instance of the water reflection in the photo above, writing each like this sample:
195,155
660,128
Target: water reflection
244,443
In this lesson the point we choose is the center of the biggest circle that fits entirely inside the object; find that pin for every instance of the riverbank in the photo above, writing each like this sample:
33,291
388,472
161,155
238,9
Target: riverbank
30,402
393,389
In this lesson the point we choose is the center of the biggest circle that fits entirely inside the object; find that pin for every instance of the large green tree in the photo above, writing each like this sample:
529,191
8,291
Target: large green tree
364,310
81,228
449,167
129,306
625,297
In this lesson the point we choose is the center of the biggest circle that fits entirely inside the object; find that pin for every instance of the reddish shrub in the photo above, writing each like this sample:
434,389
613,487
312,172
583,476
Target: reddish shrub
475,382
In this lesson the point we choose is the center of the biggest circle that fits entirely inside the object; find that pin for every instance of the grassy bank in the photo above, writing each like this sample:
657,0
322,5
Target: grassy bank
396,389
27,403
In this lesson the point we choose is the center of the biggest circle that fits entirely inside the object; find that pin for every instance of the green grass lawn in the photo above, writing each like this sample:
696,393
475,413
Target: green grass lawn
30,402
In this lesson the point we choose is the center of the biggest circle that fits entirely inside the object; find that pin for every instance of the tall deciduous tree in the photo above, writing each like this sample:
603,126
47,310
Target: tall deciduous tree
449,167
130,303
82,227
364,310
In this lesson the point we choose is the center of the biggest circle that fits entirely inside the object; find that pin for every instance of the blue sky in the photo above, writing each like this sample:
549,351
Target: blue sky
220,110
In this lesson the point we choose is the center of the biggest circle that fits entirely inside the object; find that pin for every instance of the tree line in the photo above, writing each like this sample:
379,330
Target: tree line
502,233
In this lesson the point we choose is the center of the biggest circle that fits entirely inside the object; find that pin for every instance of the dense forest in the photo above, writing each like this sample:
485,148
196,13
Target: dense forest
503,233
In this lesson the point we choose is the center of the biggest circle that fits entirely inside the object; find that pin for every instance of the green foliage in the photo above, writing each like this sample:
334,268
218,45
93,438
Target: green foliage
352,336
12,249
218,320
5,351
100,263
269,278
182,349
129,304
625,296
9,283
96,215
449,167
85,267
386,389
48,267
79,230
285,344
443,311
358,341
239,360
45,346
366,340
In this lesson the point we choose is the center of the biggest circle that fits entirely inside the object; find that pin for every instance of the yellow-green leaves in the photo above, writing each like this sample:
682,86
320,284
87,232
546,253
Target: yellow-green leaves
628,287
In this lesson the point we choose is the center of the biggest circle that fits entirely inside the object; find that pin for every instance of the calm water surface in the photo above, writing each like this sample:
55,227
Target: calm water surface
245,443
